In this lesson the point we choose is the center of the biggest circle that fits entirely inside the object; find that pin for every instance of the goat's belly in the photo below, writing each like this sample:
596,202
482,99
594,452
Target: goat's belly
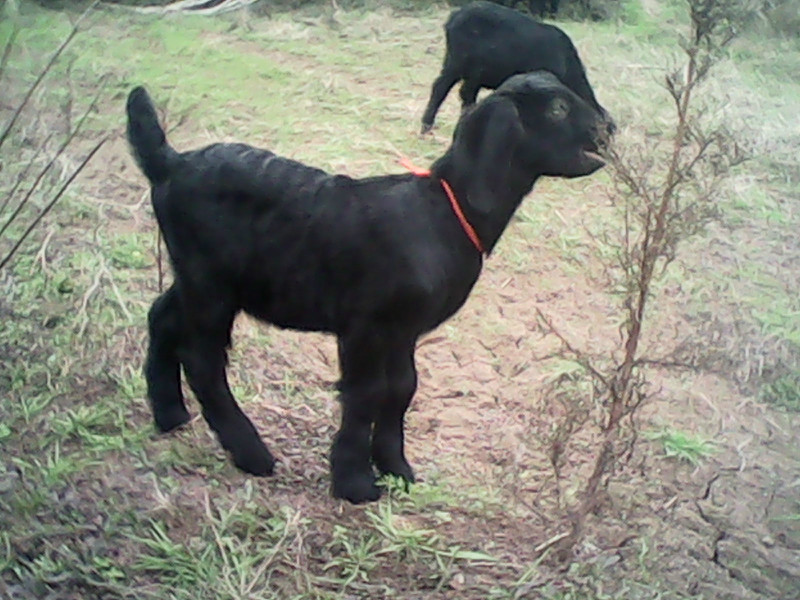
492,79
292,319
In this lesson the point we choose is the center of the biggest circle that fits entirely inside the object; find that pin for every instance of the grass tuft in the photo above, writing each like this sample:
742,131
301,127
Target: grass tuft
681,445
783,393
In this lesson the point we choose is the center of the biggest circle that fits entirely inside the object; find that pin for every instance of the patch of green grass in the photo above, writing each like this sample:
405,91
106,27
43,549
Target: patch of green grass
131,252
784,518
781,318
400,534
515,253
55,466
98,429
420,496
234,554
772,306
175,563
784,392
130,382
30,400
767,58
571,382
651,24
354,555
751,199
183,451
682,445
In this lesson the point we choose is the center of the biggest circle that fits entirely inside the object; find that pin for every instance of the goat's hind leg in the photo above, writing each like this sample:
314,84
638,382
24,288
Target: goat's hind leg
162,368
204,358
388,438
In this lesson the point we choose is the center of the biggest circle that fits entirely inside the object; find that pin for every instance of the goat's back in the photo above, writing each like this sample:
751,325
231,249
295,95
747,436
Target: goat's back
303,249
488,43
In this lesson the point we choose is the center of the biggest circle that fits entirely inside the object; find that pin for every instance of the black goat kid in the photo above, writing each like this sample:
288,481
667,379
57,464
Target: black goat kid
376,261
487,43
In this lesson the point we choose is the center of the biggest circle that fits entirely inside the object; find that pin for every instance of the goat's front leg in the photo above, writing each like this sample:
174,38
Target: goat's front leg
443,84
388,436
204,358
362,387
468,92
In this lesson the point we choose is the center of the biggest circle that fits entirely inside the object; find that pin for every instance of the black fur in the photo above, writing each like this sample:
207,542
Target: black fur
487,43
376,261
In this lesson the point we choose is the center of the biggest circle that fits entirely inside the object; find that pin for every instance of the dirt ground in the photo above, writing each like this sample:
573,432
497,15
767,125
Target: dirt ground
725,529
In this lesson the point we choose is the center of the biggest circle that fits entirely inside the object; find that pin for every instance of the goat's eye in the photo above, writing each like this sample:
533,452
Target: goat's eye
558,109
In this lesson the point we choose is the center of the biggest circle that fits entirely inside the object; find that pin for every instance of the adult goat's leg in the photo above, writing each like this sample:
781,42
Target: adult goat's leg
162,368
443,84
204,357
362,387
388,436
468,92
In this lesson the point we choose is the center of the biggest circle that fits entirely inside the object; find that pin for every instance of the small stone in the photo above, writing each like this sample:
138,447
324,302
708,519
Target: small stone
457,581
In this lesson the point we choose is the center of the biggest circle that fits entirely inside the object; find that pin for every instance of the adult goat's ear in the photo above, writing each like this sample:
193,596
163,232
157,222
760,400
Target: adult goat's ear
485,142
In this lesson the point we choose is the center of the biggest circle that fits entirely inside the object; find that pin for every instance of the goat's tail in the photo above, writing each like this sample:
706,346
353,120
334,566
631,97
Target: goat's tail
146,137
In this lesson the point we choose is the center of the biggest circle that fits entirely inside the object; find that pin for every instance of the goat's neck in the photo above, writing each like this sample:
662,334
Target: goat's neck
488,225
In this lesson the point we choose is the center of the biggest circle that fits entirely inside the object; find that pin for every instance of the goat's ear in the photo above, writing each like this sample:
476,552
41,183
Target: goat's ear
484,145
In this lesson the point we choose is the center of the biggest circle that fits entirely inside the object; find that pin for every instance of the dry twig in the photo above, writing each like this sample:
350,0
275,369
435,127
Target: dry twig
44,72
50,204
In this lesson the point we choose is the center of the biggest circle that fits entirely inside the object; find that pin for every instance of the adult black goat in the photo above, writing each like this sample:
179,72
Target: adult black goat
487,43
376,261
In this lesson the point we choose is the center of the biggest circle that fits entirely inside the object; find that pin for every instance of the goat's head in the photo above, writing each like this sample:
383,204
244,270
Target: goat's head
562,131
532,125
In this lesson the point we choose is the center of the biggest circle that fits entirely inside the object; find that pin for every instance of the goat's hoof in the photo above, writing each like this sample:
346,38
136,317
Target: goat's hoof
406,475
169,420
400,469
426,128
357,490
257,460
260,466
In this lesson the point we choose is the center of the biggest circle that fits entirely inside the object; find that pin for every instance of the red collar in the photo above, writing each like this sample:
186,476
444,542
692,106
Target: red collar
468,229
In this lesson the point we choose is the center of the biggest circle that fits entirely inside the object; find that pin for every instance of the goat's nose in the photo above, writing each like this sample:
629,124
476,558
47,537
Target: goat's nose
602,130
611,126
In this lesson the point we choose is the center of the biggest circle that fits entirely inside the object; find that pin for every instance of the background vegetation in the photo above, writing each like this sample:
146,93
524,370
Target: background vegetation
93,505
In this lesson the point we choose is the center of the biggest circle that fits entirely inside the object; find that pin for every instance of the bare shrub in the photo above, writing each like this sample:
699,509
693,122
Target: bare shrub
33,190
665,191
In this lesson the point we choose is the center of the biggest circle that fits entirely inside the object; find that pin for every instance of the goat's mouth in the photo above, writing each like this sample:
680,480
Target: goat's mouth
594,155
589,159
585,161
